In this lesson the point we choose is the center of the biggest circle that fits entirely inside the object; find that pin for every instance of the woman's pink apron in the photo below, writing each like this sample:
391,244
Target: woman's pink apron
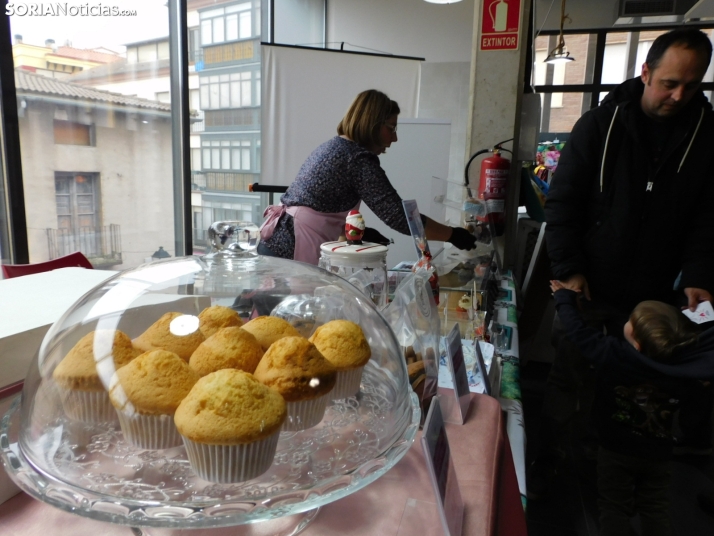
312,228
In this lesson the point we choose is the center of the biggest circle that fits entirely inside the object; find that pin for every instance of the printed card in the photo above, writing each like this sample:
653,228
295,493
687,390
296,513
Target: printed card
441,471
703,313
456,408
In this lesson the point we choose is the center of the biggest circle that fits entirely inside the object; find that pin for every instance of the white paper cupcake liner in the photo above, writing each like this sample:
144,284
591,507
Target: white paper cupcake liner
305,414
88,406
347,384
149,431
226,464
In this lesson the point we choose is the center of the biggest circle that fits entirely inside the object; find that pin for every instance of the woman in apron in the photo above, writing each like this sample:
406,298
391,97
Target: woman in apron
336,178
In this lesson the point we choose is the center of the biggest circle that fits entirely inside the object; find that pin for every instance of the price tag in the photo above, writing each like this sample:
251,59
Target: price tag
456,408
442,472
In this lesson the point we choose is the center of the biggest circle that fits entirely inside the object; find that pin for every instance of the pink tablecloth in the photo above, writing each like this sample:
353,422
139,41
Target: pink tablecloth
400,503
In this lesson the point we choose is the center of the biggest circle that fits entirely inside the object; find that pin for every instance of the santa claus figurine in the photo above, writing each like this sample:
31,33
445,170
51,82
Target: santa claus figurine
354,227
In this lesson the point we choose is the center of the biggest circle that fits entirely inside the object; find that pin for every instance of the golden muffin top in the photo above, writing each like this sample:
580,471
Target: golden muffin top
230,407
296,369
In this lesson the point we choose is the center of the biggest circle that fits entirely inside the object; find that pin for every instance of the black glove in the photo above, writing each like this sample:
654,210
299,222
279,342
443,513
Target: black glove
462,239
373,235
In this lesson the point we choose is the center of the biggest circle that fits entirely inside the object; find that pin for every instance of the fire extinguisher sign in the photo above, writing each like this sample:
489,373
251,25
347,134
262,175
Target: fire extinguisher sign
500,24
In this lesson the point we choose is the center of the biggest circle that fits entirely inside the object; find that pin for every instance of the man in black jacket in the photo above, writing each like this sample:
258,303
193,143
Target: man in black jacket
630,212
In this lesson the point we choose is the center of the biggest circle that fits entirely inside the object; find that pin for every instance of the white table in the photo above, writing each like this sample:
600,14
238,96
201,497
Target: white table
29,305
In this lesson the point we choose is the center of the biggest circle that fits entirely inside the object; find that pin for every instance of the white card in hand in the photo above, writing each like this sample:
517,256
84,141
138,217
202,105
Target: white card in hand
703,313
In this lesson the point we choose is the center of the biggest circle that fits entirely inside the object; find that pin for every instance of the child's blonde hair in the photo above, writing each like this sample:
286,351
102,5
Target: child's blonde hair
661,329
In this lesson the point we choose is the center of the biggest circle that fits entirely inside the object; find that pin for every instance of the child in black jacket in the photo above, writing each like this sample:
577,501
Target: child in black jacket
641,382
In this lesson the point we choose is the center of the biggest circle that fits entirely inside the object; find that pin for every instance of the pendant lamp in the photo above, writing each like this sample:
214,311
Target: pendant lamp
559,54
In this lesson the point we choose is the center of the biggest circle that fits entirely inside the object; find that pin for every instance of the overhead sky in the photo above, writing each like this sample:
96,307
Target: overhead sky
96,30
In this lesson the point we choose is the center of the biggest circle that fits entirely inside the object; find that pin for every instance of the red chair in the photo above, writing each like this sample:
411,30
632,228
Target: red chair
68,261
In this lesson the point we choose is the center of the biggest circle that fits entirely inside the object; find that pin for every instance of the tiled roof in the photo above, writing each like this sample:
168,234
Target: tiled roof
108,71
86,55
26,82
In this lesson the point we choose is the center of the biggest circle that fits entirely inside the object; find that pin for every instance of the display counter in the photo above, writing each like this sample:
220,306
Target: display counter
399,503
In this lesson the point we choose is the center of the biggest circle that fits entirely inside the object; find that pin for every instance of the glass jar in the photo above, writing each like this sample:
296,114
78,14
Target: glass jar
363,265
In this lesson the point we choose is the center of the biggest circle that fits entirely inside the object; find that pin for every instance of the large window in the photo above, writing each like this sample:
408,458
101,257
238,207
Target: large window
231,23
226,161
226,155
603,59
96,126
235,90
96,145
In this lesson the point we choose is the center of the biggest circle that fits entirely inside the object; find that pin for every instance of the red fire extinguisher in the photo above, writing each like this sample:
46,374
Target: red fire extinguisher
492,188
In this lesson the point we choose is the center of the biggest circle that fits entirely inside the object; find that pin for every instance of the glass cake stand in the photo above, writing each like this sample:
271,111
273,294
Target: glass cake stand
87,468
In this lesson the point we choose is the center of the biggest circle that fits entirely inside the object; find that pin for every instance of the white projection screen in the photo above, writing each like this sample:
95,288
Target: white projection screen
306,92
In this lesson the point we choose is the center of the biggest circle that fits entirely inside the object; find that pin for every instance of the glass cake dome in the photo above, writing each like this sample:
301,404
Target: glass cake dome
81,462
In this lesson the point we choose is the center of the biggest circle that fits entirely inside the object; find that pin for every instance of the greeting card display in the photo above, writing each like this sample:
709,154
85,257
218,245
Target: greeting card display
442,472
456,407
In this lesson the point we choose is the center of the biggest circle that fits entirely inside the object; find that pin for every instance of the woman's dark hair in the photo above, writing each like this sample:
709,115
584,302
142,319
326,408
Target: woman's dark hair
685,37
661,329
366,115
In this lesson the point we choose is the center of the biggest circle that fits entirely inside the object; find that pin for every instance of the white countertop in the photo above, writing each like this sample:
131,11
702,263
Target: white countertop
36,300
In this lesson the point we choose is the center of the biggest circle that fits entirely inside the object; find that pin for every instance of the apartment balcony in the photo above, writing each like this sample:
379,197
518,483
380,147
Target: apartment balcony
232,119
227,53
219,181
197,122
101,245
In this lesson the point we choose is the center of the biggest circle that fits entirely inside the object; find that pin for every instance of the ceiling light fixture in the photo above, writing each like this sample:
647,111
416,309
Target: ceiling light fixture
442,1
559,54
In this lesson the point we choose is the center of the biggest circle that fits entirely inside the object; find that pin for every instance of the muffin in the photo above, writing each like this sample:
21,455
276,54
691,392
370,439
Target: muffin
230,347
299,372
268,329
181,337
83,395
230,424
343,344
213,318
146,393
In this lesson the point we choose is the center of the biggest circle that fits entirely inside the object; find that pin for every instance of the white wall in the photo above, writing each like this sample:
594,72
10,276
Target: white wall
435,32
441,34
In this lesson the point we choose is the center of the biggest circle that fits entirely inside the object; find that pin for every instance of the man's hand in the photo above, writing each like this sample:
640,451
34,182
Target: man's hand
578,283
556,285
695,296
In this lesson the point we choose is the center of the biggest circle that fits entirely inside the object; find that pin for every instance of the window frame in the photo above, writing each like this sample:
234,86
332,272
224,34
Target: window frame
596,86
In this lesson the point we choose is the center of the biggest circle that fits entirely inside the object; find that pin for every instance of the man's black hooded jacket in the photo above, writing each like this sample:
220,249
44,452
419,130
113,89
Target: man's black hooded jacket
627,216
